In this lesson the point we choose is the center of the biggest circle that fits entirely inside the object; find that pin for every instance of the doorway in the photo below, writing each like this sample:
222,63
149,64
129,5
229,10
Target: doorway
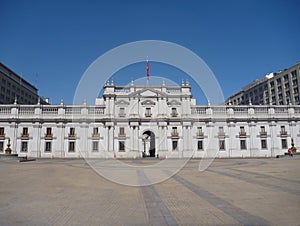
149,144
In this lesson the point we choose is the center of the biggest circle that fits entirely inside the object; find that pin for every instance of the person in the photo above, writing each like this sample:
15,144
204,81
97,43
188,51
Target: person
290,152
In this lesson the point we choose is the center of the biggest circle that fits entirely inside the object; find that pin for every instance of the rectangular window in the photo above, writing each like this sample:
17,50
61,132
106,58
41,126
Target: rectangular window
174,112
221,132
200,145
1,146
148,112
222,144
243,144
284,143
95,131
282,131
199,132
48,146
72,132
1,131
264,144
25,131
122,131
242,131
95,146
49,132
72,146
24,146
122,146
174,132
174,145
122,112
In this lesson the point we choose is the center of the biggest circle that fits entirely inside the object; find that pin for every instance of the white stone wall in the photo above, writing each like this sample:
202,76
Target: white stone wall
106,117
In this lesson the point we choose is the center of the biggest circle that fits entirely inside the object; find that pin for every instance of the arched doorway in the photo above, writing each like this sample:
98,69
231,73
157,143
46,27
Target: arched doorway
149,144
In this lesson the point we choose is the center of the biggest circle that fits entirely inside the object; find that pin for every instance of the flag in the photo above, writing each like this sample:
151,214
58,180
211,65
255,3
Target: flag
148,70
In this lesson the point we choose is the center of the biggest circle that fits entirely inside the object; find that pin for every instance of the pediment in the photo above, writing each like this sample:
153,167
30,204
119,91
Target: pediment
148,102
122,103
174,103
148,92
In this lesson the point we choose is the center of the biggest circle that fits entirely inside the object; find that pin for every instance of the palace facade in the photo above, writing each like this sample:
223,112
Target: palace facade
140,121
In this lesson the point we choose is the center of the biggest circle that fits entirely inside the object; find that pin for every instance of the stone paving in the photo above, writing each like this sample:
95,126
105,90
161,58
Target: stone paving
229,192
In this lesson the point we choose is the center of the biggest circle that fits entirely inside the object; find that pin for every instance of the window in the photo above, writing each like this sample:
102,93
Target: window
243,144
72,146
242,131
174,132
264,144
294,74
95,147
24,146
1,146
72,132
295,82
95,131
284,143
263,131
47,146
200,145
282,131
286,77
221,131
286,86
199,132
1,131
122,112
174,145
122,131
222,144
174,112
25,131
122,146
148,112
49,132
279,81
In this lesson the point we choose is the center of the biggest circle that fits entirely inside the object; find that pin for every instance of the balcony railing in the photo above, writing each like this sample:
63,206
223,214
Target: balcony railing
122,115
221,134
48,136
263,134
96,135
72,136
122,134
148,115
25,136
283,133
200,135
174,134
174,114
242,134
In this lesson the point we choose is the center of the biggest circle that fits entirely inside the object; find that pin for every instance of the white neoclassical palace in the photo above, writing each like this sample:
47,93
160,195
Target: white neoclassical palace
140,121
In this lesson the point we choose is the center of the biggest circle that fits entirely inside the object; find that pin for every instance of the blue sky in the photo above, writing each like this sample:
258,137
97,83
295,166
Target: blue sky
51,43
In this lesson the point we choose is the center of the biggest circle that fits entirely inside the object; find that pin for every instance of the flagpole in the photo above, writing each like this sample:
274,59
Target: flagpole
147,72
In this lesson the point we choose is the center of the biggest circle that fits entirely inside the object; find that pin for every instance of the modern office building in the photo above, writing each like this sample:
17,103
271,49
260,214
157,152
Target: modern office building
280,88
15,88
138,121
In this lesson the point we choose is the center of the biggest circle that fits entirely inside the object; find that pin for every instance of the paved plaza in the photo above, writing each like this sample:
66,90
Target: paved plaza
229,192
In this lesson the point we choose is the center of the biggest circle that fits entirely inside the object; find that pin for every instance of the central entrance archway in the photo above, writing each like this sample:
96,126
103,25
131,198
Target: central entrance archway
149,144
